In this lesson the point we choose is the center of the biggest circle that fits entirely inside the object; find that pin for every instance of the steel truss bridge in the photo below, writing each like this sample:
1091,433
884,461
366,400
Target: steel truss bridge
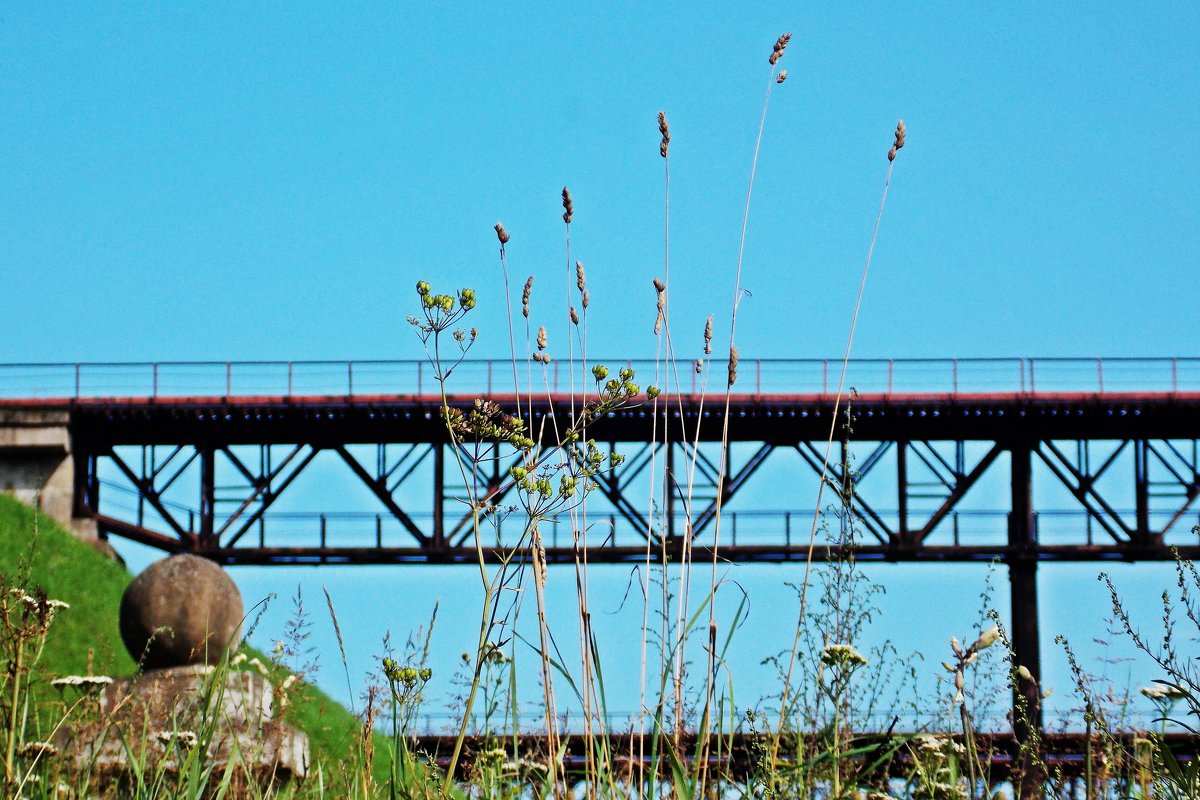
197,457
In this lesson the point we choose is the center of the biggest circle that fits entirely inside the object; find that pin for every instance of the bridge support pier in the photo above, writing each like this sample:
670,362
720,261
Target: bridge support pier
1026,648
38,467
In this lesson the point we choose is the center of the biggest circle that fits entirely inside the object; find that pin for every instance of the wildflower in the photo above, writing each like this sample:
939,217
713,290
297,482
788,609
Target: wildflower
185,739
842,654
599,372
85,682
37,749
927,741
422,288
1163,691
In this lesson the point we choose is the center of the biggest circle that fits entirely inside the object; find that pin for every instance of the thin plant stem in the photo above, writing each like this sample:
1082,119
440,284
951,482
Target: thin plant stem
825,464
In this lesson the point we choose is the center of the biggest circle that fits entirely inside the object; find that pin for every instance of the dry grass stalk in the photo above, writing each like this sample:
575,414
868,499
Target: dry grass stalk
665,130
568,206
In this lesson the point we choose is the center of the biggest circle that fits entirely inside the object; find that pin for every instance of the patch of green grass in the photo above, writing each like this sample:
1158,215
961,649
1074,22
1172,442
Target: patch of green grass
36,551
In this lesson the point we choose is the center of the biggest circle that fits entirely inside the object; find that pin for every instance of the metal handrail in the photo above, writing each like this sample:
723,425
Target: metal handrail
356,378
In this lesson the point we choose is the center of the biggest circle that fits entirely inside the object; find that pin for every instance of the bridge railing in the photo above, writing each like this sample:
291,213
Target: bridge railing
173,379
788,528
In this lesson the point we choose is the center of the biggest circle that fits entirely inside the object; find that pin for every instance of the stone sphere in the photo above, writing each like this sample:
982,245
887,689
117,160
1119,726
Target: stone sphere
181,610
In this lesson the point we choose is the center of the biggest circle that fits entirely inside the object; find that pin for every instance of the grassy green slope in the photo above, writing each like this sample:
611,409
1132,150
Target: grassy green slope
35,551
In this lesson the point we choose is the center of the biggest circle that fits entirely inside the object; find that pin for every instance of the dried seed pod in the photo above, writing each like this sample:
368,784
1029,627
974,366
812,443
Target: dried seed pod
659,286
579,277
780,45
574,316
733,364
782,76
568,206
501,234
525,296
665,130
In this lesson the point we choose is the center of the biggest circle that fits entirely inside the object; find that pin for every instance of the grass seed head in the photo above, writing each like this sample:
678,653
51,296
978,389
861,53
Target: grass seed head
585,298
707,337
568,206
580,283
574,316
665,129
780,45
733,364
525,296
901,130
541,337
501,234
781,77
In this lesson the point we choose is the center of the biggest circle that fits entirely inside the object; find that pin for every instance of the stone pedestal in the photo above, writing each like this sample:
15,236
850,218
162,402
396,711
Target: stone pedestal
179,619
157,717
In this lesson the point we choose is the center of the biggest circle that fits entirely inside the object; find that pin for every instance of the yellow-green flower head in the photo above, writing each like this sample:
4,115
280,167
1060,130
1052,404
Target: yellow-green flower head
599,372
422,288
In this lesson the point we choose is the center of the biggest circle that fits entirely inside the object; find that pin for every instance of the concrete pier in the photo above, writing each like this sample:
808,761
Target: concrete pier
38,468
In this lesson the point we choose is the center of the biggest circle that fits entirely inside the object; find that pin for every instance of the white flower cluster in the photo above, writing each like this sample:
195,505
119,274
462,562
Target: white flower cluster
842,654
83,681
1163,691
186,739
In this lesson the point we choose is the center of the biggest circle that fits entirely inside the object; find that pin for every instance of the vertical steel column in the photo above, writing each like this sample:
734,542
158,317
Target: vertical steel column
902,489
439,496
1022,571
208,491
1142,493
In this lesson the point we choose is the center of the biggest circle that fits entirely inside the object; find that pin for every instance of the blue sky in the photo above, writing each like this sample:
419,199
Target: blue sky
227,183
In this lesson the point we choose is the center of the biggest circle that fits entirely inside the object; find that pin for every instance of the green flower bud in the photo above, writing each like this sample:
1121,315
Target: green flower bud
652,392
599,372
422,288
